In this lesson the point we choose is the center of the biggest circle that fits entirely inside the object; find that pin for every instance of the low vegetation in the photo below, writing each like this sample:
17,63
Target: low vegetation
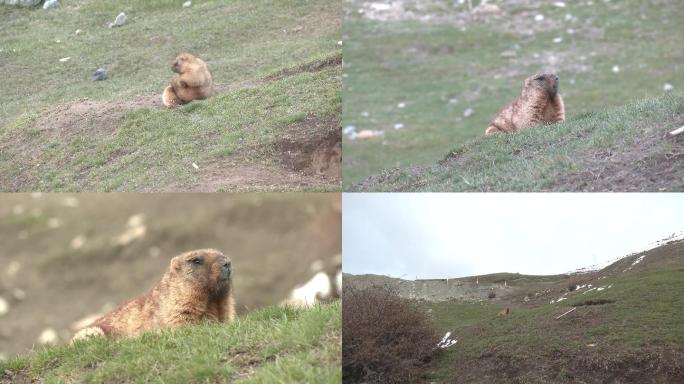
386,339
270,345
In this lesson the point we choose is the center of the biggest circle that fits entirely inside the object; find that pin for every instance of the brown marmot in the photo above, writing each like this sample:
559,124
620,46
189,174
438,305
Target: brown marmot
197,285
193,81
539,102
504,312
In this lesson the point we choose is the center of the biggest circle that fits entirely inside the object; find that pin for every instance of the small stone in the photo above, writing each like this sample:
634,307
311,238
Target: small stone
616,69
64,59
539,17
348,130
401,105
78,31
567,17
187,4
4,307
119,21
100,74
13,268
559,4
77,242
195,166
468,112
558,40
667,87
48,336
49,4
339,43
365,114
398,126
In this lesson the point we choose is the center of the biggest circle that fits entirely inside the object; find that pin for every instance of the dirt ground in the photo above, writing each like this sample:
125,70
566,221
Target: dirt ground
64,256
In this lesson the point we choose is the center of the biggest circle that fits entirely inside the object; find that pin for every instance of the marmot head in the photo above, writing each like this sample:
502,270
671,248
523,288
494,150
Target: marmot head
181,61
545,82
206,269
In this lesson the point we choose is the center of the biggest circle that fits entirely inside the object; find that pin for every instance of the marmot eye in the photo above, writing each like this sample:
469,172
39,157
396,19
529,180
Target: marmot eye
196,261
539,78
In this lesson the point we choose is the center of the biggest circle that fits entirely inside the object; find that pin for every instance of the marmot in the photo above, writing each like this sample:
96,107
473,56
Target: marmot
504,312
193,81
197,285
539,102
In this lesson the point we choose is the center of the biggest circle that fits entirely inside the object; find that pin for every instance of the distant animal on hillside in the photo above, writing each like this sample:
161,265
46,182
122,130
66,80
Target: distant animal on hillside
539,102
193,81
197,285
504,312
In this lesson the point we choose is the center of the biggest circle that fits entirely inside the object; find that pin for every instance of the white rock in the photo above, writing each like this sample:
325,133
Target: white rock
667,87
119,21
677,131
616,69
365,114
78,31
4,306
77,242
468,112
398,126
135,220
539,17
559,4
49,4
194,165
339,43
558,40
401,105
48,336
568,17
348,130
13,268
187,4
64,59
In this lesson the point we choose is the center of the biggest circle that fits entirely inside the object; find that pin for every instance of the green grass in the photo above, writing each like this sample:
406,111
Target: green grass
271,345
114,146
440,69
624,148
644,319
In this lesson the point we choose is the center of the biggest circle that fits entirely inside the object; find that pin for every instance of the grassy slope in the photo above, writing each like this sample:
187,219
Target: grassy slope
151,148
638,338
623,149
271,345
439,69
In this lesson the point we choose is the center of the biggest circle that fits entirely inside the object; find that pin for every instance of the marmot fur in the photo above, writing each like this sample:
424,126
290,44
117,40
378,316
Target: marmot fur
539,102
197,285
193,81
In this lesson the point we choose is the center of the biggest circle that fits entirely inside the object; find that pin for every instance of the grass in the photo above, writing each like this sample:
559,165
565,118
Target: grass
271,345
115,144
624,148
442,67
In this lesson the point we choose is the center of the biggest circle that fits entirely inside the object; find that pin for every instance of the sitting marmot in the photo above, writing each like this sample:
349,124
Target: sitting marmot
193,81
538,103
196,286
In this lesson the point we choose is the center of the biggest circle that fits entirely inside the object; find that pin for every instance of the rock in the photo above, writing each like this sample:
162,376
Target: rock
667,87
49,4
616,69
4,306
119,21
18,294
468,112
187,4
48,337
64,59
539,17
398,126
77,242
100,74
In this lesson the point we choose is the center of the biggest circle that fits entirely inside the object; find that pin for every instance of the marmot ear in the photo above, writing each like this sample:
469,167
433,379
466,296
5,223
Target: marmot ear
175,264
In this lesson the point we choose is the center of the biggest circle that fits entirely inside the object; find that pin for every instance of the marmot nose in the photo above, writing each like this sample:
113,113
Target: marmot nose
556,77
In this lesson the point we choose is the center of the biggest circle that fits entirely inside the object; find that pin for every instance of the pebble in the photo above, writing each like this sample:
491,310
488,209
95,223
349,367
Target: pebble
48,336
119,21
187,4
398,126
77,242
558,40
401,105
194,165
667,87
539,17
4,307
468,112
49,4
64,59
100,74
365,114
616,69
348,130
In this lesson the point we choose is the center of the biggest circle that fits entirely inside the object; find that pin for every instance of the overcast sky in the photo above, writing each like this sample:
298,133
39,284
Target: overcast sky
432,235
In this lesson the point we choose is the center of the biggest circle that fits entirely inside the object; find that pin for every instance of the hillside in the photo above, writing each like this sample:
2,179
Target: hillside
626,326
283,345
429,75
273,125
620,149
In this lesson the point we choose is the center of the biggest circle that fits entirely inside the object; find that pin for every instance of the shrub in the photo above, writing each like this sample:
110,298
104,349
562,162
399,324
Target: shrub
385,339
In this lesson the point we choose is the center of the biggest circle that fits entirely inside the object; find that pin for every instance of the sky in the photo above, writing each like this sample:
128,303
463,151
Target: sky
439,235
